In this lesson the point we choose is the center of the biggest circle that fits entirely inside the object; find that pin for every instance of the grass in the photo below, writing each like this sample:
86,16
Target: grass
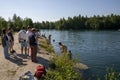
46,46
62,68
111,75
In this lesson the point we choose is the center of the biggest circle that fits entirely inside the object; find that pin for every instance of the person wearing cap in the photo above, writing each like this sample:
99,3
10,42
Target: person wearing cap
33,45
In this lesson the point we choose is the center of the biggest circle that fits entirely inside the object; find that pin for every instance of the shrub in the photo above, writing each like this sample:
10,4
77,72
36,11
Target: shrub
64,69
111,75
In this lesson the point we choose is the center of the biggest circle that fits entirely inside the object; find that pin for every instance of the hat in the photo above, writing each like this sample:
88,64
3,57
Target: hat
33,29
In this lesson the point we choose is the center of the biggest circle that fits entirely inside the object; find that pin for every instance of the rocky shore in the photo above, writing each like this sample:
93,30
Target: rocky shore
13,68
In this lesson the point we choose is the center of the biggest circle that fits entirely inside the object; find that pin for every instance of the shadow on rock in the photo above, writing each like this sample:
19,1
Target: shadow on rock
43,61
23,56
17,60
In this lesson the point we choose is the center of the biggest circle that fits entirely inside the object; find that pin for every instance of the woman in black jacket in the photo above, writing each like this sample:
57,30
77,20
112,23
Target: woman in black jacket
5,43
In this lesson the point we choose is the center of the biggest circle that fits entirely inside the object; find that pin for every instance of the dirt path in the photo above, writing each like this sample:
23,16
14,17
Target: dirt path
16,66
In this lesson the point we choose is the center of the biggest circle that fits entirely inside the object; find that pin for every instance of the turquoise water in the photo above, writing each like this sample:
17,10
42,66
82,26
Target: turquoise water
99,50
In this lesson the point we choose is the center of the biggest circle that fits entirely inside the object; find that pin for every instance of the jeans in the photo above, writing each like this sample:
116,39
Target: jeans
6,54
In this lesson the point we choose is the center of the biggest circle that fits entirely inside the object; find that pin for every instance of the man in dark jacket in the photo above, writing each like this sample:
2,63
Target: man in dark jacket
33,45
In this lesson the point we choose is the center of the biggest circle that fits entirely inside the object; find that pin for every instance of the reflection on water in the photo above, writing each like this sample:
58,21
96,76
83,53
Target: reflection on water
98,50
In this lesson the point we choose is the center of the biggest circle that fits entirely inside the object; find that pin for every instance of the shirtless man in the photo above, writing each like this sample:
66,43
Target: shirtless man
63,48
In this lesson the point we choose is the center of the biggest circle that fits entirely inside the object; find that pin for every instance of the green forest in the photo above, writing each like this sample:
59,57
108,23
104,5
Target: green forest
96,22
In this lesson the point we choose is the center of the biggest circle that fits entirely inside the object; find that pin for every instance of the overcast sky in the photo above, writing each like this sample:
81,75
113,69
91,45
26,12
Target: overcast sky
52,10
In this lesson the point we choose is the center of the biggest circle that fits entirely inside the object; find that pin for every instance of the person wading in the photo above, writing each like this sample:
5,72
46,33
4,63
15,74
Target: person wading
63,48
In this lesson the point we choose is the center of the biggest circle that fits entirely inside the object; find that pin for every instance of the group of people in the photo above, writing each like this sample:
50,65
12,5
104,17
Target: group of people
29,40
7,41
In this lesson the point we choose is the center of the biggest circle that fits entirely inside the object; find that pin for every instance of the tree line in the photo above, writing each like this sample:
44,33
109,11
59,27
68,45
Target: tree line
108,22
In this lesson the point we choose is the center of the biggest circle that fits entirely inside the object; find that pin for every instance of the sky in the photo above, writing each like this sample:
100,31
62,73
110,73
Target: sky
52,10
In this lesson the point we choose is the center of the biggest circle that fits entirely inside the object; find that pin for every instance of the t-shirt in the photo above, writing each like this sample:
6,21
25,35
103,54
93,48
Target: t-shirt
28,33
22,35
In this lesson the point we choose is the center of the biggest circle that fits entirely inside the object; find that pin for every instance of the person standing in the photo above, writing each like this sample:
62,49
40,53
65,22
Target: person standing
10,39
5,43
49,39
33,45
37,35
22,38
29,32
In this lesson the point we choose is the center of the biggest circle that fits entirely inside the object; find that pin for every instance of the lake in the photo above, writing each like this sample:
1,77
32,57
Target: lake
97,49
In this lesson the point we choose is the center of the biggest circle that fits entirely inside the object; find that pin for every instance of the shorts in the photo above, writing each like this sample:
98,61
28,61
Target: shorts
24,44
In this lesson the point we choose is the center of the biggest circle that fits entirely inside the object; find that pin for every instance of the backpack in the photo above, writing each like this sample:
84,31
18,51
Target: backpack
40,70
